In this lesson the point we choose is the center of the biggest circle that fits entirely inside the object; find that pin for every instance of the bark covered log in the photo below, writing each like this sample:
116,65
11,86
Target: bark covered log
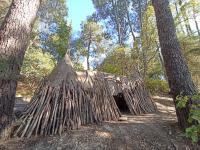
14,39
177,71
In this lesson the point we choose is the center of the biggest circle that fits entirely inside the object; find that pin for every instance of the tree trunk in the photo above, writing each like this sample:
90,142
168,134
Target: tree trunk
88,54
144,60
179,78
118,26
14,39
196,22
161,61
197,26
140,13
129,22
185,18
179,19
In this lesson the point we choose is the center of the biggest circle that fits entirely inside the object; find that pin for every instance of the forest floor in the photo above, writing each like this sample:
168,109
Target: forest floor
157,131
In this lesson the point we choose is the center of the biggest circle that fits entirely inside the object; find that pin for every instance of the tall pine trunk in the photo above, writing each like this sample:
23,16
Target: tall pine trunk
179,18
196,22
117,22
185,17
14,39
178,75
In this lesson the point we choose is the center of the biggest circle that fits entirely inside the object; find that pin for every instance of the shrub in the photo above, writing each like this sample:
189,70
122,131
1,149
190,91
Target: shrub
192,131
37,64
157,86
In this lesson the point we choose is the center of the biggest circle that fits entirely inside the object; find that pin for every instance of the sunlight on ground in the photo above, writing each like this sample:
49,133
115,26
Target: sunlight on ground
165,109
162,98
103,134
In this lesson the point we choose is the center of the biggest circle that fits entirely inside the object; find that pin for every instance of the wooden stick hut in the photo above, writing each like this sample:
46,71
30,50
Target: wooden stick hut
128,93
66,100
61,102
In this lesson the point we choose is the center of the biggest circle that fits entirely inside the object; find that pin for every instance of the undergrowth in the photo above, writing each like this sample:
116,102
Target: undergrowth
193,131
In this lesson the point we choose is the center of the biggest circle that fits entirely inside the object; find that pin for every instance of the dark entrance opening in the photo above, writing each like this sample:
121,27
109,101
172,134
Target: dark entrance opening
121,103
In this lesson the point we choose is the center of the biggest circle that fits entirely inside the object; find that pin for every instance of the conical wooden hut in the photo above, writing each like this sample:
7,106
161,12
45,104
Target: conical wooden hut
66,100
61,102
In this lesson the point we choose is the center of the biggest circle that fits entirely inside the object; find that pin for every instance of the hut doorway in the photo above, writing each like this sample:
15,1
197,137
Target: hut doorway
121,103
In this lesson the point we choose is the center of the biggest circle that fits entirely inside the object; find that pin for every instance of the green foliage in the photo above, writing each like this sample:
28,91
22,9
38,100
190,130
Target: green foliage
181,101
78,66
191,49
156,86
92,41
60,39
37,64
119,61
110,68
114,15
144,55
52,16
186,13
193,131
45,45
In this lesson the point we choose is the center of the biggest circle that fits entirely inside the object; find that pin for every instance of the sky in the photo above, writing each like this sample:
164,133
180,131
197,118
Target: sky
78,10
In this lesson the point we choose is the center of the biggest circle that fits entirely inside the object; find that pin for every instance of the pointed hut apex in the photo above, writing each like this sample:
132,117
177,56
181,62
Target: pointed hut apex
63,71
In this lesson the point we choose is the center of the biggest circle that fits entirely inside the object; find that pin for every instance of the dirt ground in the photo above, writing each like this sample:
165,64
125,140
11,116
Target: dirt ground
157,131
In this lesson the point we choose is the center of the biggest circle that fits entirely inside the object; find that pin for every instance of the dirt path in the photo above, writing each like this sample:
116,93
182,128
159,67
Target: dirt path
146,132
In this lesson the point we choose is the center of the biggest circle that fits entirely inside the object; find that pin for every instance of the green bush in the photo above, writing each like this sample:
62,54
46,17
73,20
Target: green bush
193,131
157,86
37,64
